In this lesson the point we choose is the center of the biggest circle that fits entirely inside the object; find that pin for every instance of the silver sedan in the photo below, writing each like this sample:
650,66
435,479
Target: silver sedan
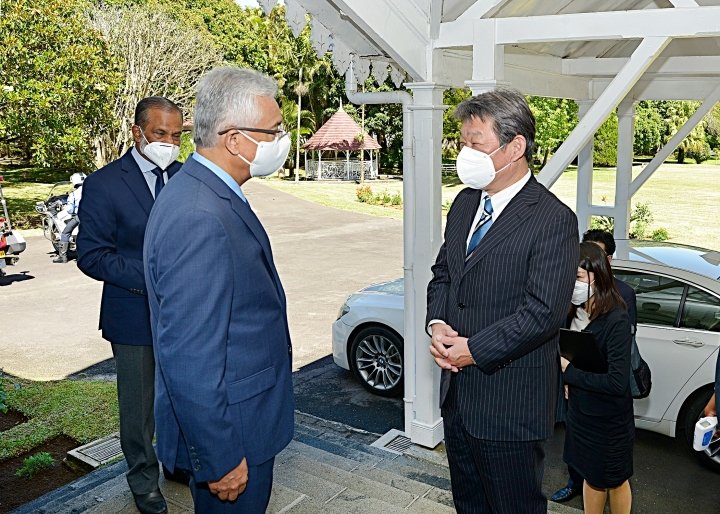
678,308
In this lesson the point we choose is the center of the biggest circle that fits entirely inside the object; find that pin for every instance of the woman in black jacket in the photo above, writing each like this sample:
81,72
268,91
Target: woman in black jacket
600,425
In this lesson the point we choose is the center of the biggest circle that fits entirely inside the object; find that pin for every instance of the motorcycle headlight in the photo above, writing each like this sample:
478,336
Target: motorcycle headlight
343,310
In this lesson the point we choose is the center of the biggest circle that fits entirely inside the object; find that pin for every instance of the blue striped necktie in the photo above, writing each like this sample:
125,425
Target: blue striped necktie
483,225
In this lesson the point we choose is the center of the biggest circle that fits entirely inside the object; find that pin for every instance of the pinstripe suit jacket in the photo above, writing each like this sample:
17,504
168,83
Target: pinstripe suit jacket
509,299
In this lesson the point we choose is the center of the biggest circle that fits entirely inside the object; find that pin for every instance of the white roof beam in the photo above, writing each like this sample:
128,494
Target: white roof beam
488,65
483,9
662,88
594,26
690,65
684,3
400,29
617,90
435,17
675,141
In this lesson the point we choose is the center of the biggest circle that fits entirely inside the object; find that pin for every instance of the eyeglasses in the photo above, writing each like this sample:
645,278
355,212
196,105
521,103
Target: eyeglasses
279,132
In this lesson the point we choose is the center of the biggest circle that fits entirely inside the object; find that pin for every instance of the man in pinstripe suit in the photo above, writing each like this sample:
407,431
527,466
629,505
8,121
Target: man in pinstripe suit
500,291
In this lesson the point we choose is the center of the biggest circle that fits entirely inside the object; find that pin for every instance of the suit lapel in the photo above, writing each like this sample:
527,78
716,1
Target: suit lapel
242,209
466,216
172,169
511,218
135,181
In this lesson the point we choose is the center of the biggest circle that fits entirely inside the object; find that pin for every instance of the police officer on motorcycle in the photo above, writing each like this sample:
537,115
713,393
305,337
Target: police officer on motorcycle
71,207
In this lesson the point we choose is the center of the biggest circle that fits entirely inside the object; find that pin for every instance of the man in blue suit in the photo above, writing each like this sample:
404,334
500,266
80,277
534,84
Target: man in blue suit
117,200
224,400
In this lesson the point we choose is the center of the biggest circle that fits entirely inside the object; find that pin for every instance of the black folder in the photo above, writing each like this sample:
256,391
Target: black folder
581,349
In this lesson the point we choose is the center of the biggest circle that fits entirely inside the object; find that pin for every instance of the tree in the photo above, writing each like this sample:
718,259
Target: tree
554,120
57,79
649,128
674,115
160,55
289,110
451,125
606,141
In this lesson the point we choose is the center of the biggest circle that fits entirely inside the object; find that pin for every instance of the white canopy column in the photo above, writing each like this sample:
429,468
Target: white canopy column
423,423
623,175
583,201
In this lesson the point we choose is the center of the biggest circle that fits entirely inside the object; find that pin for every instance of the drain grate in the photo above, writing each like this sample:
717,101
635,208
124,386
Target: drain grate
394,442
98,452
399,444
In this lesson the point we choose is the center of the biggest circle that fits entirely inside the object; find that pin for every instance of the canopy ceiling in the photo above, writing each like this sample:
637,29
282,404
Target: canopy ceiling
567,48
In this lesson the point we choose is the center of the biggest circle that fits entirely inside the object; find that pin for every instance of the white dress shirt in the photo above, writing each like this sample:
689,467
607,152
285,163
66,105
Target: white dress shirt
499,201
146,167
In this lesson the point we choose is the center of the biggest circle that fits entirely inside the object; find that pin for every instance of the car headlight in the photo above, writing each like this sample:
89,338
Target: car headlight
343,310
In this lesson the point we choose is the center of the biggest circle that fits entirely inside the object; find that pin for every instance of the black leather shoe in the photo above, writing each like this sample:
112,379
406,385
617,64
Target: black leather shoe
565,494
151,503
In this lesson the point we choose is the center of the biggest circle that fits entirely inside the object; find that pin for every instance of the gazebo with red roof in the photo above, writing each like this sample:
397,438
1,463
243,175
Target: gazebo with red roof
341,133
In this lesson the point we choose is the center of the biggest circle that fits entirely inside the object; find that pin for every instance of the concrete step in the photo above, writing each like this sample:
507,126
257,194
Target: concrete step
419,464
384,470
328,468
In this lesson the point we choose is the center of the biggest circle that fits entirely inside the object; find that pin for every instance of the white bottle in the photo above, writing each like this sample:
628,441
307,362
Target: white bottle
704,431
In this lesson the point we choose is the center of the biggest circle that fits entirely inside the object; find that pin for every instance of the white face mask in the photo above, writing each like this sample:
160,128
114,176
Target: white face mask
269,157
582,292
475,168
162,154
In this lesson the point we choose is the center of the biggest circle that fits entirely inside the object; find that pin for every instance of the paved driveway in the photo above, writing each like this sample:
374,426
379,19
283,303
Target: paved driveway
50,311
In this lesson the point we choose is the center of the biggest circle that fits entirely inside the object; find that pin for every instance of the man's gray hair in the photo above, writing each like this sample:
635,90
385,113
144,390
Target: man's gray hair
509,112
227,97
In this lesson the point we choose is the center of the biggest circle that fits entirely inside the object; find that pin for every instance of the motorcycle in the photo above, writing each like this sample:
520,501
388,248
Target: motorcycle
12,242
55,217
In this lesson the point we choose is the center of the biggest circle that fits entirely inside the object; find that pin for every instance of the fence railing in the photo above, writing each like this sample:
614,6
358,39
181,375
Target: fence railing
340,169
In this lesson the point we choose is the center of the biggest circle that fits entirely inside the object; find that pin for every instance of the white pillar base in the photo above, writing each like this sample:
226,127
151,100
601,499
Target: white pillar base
427,435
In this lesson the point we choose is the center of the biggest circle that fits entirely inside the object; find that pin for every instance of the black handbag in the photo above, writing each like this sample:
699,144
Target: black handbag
640,378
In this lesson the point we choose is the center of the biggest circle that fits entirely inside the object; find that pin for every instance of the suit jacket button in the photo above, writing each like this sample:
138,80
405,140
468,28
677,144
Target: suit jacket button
461,305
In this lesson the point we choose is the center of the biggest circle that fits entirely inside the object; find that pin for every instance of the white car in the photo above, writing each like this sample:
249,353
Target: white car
678,310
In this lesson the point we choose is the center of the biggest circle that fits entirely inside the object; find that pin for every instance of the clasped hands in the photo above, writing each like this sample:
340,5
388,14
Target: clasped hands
450,351
232,485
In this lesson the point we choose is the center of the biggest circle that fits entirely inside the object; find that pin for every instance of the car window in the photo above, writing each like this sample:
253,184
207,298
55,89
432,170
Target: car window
658,297
701,311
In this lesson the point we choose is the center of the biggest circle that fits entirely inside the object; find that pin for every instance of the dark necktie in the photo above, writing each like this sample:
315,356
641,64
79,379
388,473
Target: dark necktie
483,225
159,183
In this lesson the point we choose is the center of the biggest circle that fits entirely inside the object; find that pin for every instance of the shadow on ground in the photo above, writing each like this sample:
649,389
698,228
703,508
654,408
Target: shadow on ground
7,280
103,370
327,391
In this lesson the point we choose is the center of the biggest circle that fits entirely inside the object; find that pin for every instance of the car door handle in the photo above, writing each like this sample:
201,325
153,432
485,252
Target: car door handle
688,342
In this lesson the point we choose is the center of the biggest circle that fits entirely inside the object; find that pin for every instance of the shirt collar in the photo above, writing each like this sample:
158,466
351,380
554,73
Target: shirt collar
507,194
221,174
145,165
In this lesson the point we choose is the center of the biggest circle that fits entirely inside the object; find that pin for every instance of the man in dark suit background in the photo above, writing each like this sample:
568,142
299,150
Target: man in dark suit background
224,391
117,200
500,291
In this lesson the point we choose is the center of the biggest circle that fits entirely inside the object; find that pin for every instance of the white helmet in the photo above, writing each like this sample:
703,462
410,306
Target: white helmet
77,178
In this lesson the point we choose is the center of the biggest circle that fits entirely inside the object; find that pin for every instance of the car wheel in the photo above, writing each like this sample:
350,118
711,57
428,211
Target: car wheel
710,457
376,359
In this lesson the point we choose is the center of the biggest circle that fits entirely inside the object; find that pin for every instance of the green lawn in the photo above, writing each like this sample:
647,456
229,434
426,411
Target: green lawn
83,410
23,187
684,199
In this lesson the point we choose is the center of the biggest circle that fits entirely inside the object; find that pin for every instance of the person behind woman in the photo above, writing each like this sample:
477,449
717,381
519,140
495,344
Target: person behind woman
600,425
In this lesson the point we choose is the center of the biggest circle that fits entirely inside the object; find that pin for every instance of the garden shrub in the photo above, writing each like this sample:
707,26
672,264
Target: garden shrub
35,464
